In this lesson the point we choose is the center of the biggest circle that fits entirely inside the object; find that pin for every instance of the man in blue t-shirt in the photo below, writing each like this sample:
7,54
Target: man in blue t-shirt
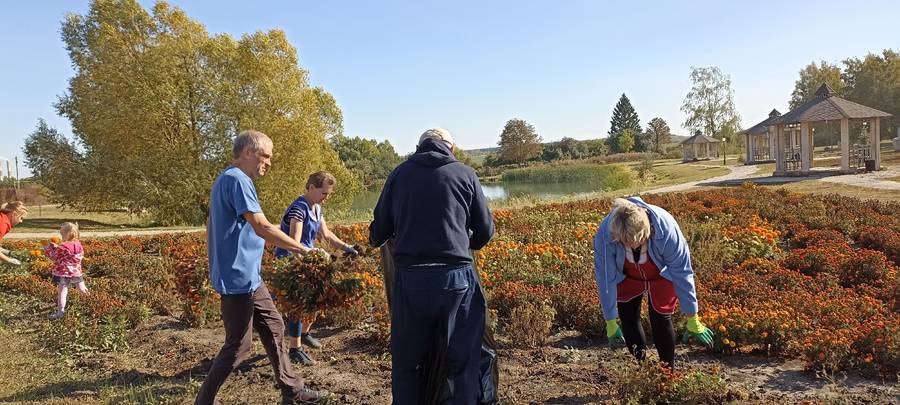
237,231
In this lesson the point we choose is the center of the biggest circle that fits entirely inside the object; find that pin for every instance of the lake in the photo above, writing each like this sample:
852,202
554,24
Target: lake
501,191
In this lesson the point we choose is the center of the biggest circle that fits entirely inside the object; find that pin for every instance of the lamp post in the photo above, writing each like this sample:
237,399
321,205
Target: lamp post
723,150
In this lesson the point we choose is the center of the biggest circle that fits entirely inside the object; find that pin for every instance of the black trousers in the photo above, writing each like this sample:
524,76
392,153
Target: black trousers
437,325
663,331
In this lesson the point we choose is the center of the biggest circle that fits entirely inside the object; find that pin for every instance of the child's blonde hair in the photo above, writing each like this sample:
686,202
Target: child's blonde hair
629,224
69,231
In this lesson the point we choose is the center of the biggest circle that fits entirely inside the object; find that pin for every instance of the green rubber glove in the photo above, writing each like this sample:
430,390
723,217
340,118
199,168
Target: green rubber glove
696,329
614,333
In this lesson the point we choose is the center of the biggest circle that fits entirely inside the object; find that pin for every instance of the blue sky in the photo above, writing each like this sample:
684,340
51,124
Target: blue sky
399,67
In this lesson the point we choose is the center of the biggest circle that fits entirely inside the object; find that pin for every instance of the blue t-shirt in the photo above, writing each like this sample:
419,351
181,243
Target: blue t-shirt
306,215
235,251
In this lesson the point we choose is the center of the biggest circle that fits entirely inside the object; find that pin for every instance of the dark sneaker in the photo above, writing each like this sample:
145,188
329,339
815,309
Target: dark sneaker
299,356
306,396
310,341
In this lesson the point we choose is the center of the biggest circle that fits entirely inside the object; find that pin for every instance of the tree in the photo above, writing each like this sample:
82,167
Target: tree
875,81
624,117
625,141
55,162
566,148
658,134
519,142
368,159
811,78
464,157
596,147
156,102
709,104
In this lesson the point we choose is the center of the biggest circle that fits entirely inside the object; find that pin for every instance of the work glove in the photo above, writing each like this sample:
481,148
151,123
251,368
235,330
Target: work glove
696,329
614,333
319,252
4,251
15,262
350,251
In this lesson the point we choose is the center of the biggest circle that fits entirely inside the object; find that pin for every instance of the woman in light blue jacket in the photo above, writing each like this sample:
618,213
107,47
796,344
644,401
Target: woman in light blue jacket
640,250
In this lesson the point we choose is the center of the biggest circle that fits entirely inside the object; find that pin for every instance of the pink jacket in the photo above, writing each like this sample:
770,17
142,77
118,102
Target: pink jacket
66,258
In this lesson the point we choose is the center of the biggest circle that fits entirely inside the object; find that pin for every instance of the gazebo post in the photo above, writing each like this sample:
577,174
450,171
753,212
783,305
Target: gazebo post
750,146
876,142
769,135
779,150
845,145
805,148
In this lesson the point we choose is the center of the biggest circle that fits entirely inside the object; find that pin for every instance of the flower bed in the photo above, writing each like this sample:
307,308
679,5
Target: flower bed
778,273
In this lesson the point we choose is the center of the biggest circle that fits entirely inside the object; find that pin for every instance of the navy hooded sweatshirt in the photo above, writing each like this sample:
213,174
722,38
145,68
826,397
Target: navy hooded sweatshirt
433,207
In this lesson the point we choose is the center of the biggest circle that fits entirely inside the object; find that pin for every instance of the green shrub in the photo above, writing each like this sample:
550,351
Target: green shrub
603,177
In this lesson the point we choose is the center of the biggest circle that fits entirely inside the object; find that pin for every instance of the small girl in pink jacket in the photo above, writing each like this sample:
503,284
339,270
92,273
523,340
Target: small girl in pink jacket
67,257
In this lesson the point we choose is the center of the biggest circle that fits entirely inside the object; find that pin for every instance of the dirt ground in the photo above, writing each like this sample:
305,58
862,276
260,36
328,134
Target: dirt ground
167,362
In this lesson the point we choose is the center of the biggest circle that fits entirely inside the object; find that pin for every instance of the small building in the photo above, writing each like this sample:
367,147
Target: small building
760,140
794,153
699,147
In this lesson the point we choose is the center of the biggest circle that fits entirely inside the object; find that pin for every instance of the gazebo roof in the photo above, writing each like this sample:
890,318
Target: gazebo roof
763,126
699,138
826,106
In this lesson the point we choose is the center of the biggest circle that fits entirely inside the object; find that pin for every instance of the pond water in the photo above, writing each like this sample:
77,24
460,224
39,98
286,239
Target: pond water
501,191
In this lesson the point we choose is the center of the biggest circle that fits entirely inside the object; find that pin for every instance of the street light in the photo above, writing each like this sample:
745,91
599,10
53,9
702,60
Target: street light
723,150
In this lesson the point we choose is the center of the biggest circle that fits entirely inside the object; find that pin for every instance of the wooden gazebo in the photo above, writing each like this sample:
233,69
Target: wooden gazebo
794,155
699,147
760,140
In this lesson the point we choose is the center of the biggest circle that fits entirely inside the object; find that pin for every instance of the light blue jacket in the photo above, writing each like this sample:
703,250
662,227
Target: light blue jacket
668,249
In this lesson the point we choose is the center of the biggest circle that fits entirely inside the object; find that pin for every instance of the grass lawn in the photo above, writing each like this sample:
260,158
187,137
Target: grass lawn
682,173
29,374
824,187
50,217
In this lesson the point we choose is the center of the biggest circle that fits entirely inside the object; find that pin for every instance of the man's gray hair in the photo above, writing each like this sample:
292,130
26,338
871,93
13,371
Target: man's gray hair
254,140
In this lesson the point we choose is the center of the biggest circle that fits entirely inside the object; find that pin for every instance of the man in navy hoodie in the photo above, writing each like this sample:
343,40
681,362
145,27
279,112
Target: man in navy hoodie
433,207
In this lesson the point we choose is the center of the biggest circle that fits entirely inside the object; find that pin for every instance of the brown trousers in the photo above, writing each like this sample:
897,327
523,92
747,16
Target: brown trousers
239,312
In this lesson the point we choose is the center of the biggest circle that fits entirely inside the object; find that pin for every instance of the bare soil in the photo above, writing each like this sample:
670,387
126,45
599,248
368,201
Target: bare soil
167,362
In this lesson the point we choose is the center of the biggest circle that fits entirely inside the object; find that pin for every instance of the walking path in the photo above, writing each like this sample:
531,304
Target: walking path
737,173
102,234
870,180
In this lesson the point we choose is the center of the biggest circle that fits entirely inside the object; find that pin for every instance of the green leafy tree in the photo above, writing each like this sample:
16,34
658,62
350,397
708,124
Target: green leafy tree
875,81
811,78
156,103
566,148
596,147
56,163
658,135
709,105
368,159
519,142
626,140
464,157
624,117
645,169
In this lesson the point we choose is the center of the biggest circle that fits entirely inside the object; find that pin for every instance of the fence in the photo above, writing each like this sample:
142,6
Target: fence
27,195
